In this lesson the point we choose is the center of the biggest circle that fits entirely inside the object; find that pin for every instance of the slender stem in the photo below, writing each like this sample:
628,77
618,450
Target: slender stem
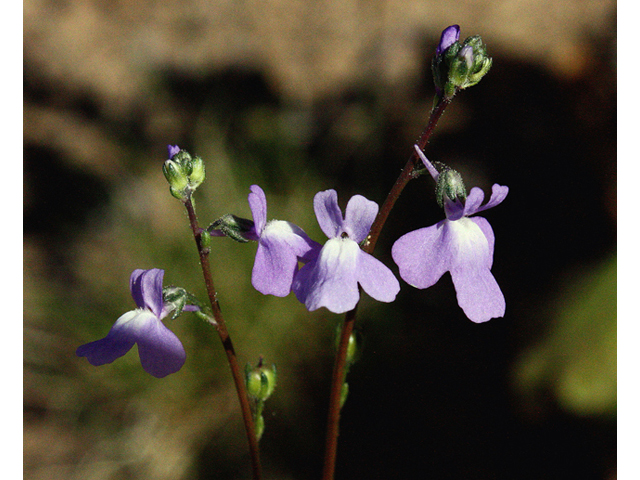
405,176
337,380
225,338
333,422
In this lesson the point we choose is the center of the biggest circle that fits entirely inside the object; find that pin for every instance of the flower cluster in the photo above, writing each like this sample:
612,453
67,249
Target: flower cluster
332,273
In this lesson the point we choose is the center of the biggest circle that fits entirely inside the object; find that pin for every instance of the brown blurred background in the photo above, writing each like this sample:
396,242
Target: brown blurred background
300,96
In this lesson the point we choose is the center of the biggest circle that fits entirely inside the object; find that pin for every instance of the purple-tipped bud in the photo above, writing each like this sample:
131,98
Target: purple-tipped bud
450,35
173,149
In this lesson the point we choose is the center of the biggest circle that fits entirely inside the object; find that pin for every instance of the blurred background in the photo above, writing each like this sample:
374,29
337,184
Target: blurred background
300,96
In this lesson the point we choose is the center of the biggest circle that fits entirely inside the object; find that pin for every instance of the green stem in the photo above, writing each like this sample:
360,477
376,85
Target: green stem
333,422
225,338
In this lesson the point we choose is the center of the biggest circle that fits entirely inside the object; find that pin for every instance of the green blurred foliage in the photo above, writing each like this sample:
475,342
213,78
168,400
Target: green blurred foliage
576,362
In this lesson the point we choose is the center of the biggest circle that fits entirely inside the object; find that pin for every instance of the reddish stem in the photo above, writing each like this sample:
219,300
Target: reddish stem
333,422
225,338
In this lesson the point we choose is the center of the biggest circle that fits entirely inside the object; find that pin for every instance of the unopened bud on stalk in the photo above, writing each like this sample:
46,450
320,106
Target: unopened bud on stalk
183,172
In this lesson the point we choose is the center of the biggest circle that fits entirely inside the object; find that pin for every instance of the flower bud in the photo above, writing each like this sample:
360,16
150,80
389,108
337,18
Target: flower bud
450,35
175,175
458,66
183,172
173,149
205,239
470,64
260,380
197,174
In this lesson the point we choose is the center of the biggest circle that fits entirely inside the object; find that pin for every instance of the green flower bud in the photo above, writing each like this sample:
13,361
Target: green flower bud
183,158
205,239
458,66
183,172
260,381
197,174
470,64
175,175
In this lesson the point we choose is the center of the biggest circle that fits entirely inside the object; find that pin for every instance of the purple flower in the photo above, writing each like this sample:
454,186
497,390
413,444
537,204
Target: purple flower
161,353
331,279
460,245
450,35
280,246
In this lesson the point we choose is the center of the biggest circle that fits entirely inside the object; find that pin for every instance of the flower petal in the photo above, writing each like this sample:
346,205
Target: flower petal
449,36
376,278
472,205
478,294
423,255
146,289
161,352
484,225
173,149
468,245
330,281
118,341
359,217
473,201
328,213
258,205
276,261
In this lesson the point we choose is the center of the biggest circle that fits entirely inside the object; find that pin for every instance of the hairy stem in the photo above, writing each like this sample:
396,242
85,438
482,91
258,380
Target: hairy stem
225,338
333,422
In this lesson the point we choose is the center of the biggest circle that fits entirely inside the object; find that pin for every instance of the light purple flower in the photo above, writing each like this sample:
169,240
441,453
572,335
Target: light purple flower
450,35
281,245
331,279
161,353
460,245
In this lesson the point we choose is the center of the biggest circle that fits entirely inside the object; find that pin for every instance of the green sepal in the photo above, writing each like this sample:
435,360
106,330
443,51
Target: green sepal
178,298
236,228
450,184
